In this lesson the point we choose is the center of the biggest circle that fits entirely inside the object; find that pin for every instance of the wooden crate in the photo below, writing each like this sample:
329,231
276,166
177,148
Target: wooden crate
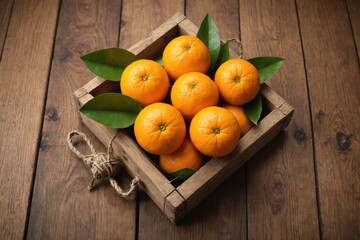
177,202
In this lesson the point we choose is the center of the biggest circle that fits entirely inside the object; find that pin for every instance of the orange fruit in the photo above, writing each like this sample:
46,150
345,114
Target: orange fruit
185,54
159,128
238,81
186,156
192,92
145,81
214,131
244,123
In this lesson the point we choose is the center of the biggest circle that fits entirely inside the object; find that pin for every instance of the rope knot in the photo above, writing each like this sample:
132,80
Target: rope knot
103,166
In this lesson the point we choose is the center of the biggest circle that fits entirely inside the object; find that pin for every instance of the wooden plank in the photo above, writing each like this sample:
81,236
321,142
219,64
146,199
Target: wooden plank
149,15
175,206
24,72
187,27
210,220
62,206
225,13
354,9
5,13
334,83
280,179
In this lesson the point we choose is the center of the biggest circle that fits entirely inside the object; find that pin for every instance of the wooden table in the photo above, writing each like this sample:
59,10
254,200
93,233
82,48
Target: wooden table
305,184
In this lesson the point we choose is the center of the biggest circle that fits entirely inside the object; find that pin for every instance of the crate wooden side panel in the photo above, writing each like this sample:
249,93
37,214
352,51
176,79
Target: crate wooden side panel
136,162
97,86
273,99
175,207
186,27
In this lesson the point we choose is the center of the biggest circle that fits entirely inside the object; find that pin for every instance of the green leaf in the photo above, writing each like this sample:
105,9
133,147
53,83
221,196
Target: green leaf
159,61
113,110
266,66
209,34
224,54
181,175
109,63
253,109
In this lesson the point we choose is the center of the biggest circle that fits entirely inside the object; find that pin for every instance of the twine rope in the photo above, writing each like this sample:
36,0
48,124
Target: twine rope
103,166
238,44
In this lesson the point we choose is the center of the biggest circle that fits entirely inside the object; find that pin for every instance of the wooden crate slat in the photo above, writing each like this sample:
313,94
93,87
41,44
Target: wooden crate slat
274,98
175,206
186,27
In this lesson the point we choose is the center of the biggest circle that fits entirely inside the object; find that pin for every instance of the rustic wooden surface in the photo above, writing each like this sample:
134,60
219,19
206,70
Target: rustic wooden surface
329,45
303,185
5,12
273,175
24,71
61,206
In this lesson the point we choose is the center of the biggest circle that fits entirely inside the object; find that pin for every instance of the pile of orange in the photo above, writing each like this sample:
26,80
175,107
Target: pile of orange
191,124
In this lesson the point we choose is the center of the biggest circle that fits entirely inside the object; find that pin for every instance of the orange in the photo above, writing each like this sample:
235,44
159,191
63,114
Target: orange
185,54
159,128
145,81
214,131
192,92
244,123
186,156
238,81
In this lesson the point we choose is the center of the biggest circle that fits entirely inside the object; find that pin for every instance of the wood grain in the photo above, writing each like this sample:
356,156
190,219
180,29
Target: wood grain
5,13
353,7
212,219
334,83
225,14
24,72
62,206
139,18
281,178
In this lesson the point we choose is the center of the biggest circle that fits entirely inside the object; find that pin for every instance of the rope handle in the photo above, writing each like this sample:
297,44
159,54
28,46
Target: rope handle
238,44
103,166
